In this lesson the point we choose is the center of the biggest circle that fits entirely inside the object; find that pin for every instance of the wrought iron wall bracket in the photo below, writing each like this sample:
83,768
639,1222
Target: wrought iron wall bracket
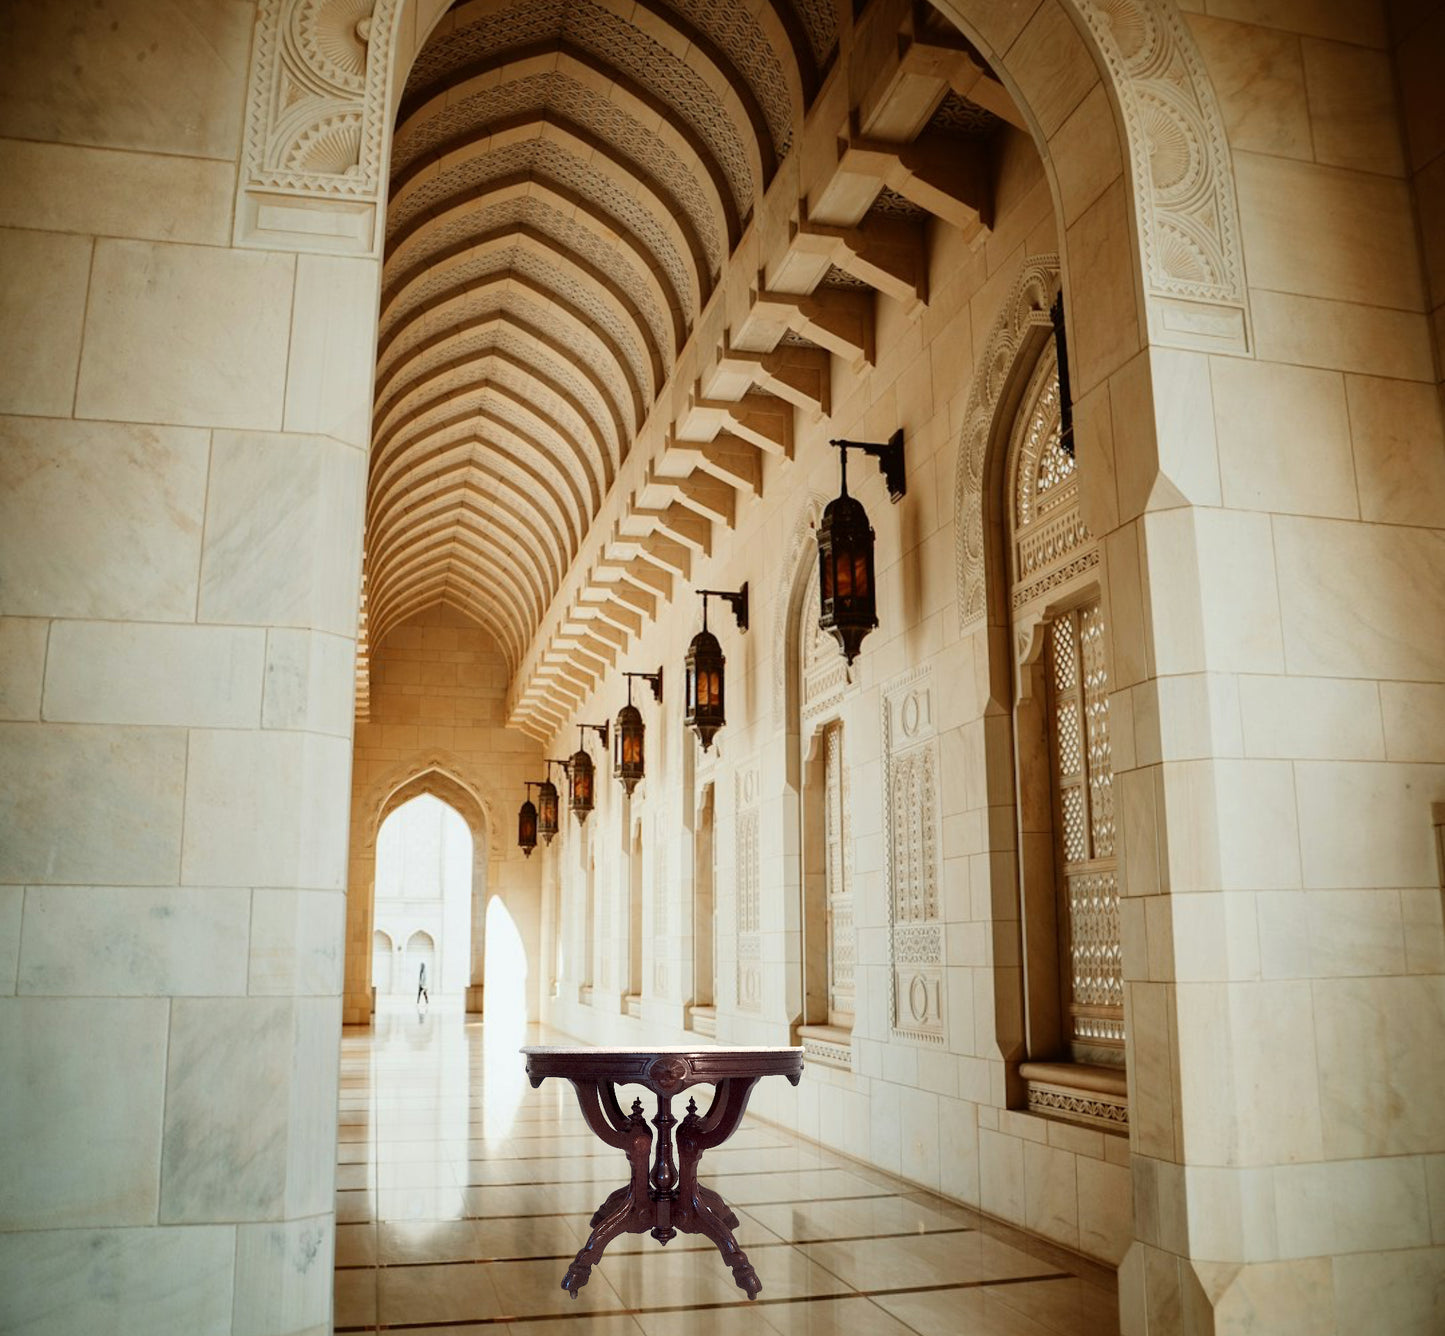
889,455
737,600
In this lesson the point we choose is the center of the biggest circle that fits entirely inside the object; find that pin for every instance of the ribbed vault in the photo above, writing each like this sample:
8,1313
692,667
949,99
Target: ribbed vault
568,180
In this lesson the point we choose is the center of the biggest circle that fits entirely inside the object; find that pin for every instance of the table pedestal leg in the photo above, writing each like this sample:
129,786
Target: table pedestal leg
700,1210
629,1209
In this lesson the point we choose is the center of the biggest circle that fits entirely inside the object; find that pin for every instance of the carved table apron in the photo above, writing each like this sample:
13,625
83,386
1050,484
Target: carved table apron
666,1198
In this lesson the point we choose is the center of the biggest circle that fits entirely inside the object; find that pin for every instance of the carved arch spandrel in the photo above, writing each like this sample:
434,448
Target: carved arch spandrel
997,382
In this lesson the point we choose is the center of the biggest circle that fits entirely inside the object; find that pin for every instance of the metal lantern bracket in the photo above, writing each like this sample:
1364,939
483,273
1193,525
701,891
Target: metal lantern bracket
890,462
603,731
654,680
736,599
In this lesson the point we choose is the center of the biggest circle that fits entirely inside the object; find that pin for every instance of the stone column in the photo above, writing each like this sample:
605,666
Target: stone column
182,471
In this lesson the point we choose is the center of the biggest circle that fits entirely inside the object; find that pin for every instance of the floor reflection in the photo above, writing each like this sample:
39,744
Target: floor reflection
462,1194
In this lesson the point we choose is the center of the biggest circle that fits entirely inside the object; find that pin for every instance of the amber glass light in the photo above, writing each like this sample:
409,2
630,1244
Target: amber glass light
848,600
627,736
580,776
704,707
527,828
547,802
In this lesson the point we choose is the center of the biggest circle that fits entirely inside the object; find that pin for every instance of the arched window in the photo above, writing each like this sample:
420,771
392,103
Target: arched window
829,943
1068,862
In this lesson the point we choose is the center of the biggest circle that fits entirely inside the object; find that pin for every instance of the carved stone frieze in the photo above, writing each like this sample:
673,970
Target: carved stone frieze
1188,216
313,169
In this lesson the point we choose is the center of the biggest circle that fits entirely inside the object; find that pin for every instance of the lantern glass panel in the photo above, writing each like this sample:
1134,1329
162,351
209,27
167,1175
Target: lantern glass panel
527,828
547,804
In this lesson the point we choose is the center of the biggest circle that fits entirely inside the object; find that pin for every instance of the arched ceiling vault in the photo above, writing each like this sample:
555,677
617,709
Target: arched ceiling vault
570,180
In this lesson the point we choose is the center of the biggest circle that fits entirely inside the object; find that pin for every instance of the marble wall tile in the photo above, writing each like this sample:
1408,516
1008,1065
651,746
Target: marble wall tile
101,192
69,1158
12,898
1423,104
1326,232
1316,718
1355,933
296,942
283,532
1051,1194
1340,20
135,74
133,673
1106,1211
1401,1292
1051,66
1231,1213
1414,720
1367,825
1353,117
1103,313
43,281
1399,447
164,1282
227,1074
315,1056
22,666
1351,1206
283,1277
1001,1175
190,335
1276,1106
1361,600
921,1135
1343,336
139,496
1185,424
135,941
1287,1298
1284,438
1085,153
1381,1067
266,809
333,348
1435,1188
1258,77
90,804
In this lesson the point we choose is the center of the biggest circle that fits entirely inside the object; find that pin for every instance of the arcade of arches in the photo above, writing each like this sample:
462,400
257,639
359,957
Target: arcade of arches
382,380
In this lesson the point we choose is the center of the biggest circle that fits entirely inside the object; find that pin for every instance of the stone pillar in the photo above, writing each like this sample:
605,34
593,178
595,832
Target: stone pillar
182,471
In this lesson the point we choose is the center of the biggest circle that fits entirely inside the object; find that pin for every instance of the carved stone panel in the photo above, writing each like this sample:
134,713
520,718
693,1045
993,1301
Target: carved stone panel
313,170
915,927
747,872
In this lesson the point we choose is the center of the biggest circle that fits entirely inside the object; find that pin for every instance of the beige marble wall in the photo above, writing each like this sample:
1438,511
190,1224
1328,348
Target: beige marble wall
438,688
181,480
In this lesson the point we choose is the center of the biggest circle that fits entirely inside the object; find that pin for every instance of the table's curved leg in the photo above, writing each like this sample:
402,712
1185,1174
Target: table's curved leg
628,1207
700,1210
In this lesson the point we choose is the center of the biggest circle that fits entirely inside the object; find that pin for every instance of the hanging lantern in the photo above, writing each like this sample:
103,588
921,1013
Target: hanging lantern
848,600
628,732
848,595
547,803
704,708
527,825
580,775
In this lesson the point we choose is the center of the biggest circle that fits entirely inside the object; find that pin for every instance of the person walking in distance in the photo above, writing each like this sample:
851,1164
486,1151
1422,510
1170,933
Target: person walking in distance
421,991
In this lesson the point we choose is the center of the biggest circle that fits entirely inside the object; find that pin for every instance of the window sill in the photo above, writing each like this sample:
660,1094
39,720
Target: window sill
1076,1093
830,1045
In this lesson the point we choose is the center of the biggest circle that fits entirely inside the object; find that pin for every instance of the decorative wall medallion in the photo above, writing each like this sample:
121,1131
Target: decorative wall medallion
316,126
1183,185
915,927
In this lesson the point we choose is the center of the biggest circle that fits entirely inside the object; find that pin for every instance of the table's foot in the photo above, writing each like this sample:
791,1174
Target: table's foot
611,1204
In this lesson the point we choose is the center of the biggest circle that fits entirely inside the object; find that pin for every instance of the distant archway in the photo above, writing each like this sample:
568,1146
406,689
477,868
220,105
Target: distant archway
440,777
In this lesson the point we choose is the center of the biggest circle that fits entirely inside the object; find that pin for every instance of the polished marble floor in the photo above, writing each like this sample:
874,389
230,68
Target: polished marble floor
462,1195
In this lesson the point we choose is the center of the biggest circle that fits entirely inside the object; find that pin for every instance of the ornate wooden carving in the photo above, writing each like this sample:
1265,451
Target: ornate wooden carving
666,1199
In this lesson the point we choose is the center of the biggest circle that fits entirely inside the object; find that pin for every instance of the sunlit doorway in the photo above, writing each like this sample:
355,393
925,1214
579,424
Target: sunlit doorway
424,868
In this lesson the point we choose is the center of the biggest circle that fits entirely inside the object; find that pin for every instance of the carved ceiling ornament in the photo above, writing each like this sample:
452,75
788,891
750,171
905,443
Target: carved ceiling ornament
1025,313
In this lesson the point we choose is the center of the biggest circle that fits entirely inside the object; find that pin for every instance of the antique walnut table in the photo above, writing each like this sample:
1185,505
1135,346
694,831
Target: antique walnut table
665,1198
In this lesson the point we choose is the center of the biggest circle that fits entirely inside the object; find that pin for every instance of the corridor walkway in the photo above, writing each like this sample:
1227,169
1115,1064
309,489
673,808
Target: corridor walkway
462,1194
